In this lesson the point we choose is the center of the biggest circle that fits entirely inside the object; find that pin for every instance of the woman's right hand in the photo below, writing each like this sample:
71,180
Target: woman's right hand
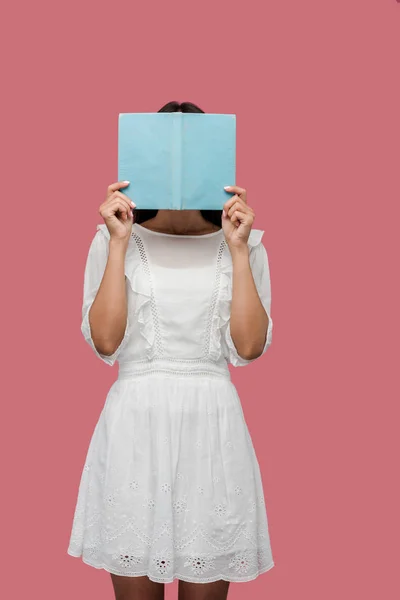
117,212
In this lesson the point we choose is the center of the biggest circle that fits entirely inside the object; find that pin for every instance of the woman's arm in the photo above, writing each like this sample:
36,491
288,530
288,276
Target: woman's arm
105,320
250,327
249,321
109,311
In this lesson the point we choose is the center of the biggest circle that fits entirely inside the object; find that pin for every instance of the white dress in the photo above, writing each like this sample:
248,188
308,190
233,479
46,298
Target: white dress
171,486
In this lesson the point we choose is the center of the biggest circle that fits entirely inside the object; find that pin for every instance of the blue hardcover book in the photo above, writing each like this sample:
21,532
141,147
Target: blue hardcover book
177,160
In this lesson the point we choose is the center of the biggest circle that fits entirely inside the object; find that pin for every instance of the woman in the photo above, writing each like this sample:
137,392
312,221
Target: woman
171,486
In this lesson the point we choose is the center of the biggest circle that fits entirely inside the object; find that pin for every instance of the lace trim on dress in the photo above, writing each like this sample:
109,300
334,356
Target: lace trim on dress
214,300
172,367
123,547
156,338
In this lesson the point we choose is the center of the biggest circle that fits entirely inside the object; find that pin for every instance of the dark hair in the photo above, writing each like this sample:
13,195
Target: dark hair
213,216
185,107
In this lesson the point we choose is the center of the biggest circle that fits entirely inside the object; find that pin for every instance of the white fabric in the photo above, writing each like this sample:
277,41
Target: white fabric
171,486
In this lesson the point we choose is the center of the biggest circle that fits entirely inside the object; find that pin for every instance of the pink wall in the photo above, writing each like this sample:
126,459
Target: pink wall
315,86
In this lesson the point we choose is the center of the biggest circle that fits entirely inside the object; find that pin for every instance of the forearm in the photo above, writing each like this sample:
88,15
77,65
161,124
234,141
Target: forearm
249,320
108,313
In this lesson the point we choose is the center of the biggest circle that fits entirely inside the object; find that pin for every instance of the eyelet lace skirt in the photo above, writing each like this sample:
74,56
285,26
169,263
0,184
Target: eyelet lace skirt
171,486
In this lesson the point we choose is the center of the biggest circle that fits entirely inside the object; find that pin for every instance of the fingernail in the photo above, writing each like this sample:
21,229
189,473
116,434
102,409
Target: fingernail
133,204
227,187
223,213
126,182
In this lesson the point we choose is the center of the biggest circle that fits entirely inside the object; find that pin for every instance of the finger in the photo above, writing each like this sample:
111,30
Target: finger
231,201
237,217
127,201
115,186
116,205
109,206
238,206
120,207
125,198
237,190
235,199
124,210
242,218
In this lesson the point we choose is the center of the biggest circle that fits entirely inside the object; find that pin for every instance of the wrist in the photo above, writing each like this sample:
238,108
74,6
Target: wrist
240,253
118,245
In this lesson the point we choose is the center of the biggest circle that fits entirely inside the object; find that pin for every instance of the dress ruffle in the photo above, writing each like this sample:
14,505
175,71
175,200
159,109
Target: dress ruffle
221,330
141,287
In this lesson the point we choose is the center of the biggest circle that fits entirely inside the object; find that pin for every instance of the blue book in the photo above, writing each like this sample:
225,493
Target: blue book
177,160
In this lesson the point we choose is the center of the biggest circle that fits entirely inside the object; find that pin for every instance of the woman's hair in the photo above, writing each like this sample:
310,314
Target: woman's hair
185,107
214,216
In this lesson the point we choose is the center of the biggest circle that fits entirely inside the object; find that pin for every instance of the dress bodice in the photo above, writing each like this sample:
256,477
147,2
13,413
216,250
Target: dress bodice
179,290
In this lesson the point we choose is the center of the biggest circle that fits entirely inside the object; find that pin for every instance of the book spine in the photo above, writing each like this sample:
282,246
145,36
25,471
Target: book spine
177,161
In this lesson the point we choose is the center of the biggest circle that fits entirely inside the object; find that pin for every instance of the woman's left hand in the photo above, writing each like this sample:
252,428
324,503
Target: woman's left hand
238,218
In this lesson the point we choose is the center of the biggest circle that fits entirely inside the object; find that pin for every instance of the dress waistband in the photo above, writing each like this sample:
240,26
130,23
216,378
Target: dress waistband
173,367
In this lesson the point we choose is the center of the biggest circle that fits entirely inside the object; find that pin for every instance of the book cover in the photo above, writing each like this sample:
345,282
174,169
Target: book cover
177,160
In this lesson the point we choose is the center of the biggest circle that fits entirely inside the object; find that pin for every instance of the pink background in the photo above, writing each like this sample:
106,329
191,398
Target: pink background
315,86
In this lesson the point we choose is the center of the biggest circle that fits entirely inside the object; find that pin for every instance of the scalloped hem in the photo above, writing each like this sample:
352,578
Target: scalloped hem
175,575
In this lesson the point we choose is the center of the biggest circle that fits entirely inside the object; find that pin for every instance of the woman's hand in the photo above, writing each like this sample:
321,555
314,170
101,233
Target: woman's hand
117,212
237,218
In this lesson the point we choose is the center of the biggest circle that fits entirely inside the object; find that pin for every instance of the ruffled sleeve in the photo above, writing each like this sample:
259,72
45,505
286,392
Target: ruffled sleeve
261,273
95,266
